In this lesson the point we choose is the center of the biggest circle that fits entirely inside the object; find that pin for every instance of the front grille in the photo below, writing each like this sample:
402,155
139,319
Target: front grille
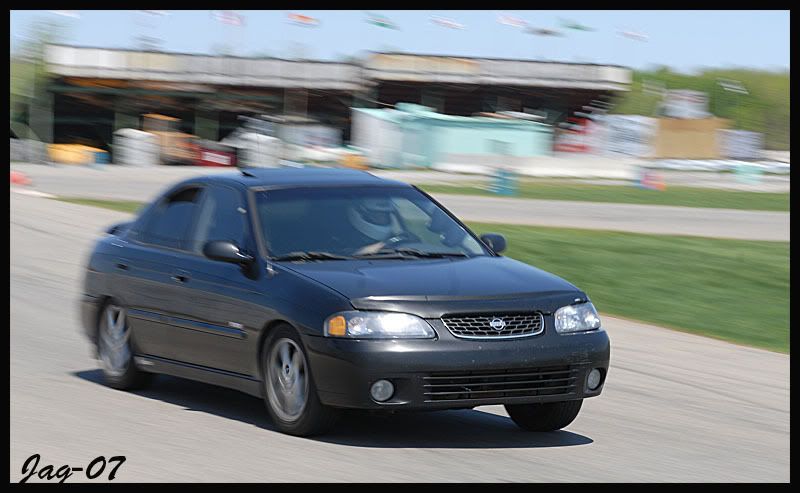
494,326
497,384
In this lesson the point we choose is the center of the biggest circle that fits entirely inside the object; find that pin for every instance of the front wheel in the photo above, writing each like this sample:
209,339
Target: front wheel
546,416
289,390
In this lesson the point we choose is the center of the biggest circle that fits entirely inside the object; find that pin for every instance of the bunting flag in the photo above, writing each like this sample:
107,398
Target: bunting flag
448,23
66,13
229,17
574,25
541,31
732,86
303,20
634,35
159,13
653,87
381,21
512,21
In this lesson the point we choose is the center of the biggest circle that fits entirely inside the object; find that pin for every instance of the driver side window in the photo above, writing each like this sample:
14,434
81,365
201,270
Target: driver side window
222,217
170,220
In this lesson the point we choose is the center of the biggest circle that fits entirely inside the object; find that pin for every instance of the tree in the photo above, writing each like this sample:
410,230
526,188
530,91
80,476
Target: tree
28,74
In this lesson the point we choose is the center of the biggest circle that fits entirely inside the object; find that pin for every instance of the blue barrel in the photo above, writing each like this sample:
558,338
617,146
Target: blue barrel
101,158
505,182
748,173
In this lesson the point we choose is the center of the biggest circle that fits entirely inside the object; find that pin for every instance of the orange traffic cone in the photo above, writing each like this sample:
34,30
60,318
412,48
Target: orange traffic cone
658,182
19,178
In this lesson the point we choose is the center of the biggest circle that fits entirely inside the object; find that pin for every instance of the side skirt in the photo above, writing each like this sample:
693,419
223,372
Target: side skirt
213,376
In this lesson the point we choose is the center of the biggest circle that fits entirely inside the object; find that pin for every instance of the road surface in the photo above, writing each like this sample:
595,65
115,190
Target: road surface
143,184
676,407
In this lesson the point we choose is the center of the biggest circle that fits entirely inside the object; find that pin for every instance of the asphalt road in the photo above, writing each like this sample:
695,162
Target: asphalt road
676,407
143,184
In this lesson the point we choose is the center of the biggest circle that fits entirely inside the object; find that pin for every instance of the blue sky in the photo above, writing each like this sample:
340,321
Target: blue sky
686,40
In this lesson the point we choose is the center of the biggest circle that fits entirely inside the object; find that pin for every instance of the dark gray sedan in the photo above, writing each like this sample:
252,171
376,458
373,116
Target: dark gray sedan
322,290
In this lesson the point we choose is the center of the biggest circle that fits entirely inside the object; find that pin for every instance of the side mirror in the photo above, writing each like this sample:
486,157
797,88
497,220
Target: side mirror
117,228
225,251
495,241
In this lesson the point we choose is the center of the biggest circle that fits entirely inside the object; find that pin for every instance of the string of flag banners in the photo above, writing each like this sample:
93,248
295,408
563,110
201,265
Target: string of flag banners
381,21
303,20
231,17
228,17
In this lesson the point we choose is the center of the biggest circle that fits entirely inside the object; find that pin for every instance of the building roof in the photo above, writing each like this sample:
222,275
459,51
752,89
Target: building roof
124,64
404,112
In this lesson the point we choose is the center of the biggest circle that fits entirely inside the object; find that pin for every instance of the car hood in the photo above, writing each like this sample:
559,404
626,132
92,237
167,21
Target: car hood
432,287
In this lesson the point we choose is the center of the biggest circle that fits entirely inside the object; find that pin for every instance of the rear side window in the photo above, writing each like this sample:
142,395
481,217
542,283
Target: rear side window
172,219
222,217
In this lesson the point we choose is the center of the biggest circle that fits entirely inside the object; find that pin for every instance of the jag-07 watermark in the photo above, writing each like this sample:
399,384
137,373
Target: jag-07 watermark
94,470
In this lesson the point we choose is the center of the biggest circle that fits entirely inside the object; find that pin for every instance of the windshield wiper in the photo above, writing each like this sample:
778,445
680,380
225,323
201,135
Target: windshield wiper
311,256
409,252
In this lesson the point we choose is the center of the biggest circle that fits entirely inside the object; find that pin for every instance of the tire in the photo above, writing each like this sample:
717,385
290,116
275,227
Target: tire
547,416
289,391
115,351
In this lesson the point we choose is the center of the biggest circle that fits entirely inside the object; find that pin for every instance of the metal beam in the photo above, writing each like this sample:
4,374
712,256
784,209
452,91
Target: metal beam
59,88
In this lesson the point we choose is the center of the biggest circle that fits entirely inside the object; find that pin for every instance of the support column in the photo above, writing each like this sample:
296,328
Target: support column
295,102
41,116
206,124
433,100
125,116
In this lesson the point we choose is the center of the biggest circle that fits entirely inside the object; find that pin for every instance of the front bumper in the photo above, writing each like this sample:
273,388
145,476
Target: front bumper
452,373
90,311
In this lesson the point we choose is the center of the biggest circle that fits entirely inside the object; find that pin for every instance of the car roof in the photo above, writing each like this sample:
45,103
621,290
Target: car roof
296,177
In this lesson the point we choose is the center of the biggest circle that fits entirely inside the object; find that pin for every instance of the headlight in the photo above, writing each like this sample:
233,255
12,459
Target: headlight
577,318
377,325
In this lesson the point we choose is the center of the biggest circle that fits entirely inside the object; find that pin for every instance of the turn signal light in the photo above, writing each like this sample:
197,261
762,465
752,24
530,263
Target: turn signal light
337,326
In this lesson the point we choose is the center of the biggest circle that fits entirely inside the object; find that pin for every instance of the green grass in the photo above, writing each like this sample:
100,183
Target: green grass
733,290
728,289
679,196
116,205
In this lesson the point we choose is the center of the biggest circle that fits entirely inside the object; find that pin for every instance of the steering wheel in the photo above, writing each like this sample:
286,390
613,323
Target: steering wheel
394,241
400,239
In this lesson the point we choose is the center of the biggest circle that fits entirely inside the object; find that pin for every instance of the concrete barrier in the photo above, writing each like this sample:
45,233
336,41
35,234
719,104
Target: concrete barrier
559,166
28,151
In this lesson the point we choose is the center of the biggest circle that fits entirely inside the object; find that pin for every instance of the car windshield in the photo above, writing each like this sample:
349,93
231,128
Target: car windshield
327,223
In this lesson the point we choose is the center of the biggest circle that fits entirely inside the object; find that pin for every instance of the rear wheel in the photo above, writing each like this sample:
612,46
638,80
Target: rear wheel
115,351
546,416
289,390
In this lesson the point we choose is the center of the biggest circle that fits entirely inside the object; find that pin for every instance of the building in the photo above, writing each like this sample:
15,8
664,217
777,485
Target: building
416,136
94,91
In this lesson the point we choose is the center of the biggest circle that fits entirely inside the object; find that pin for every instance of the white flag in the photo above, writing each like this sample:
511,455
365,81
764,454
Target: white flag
512,21
66,13
229,17
449,23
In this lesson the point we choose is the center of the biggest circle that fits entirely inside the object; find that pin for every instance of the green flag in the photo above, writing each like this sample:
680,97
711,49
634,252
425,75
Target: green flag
575,25
381,21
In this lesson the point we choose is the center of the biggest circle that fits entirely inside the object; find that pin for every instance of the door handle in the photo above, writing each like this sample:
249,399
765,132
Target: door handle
180,276
122,266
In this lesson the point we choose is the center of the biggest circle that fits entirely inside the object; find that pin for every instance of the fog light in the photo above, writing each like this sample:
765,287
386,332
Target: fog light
594,379
382,390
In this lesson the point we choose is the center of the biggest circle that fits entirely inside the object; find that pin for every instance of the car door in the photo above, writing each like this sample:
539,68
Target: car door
224,316
151,273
